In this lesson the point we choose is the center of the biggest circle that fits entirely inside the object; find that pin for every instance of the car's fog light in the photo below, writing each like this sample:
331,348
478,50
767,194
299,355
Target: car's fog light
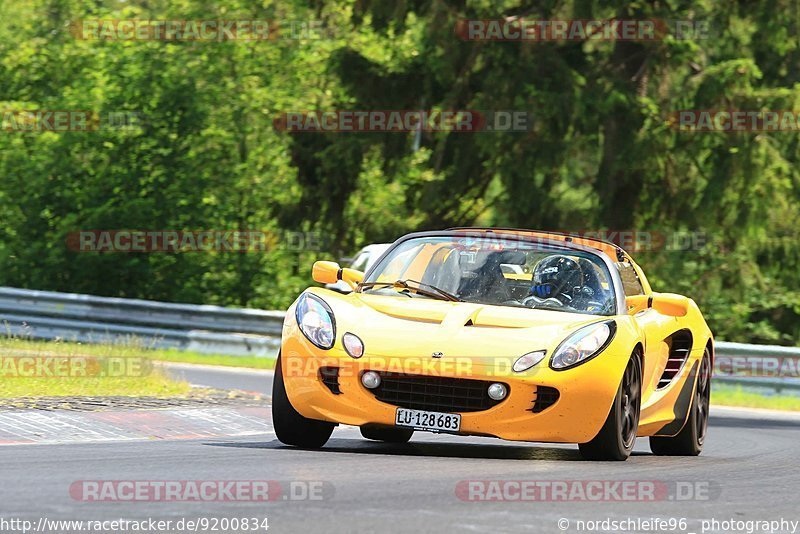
371,379
498,391
353,345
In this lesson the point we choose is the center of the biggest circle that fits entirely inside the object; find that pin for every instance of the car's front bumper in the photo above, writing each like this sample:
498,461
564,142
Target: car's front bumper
586,392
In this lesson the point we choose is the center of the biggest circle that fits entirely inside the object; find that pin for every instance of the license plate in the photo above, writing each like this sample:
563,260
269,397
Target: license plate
430,421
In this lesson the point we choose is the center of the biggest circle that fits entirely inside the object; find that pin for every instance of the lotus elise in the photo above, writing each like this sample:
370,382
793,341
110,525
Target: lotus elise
515,334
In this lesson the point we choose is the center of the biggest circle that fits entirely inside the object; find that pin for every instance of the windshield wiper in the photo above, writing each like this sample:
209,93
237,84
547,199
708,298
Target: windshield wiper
433,291
439,291
370,285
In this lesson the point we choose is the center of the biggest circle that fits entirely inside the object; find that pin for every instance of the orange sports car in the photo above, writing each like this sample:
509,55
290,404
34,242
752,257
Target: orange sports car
517,334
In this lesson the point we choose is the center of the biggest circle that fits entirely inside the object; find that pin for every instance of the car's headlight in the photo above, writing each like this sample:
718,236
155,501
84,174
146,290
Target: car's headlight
315,319
583,345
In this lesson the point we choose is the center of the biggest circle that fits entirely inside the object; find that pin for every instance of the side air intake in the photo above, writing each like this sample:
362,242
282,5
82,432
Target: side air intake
680,344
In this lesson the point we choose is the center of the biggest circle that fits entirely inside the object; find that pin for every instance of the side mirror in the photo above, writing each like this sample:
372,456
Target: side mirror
329,272
671,304
664,303
325,272
637,303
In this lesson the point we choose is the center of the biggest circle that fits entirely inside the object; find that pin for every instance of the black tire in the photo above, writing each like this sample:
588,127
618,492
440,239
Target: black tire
291,427
615,440
387,434
689,441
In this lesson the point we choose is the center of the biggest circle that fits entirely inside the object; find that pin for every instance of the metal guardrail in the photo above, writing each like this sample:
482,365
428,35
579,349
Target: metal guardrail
238,331
90,319
768,359
140,312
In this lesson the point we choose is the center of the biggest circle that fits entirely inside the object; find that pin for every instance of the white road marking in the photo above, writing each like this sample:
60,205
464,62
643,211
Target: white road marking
36,427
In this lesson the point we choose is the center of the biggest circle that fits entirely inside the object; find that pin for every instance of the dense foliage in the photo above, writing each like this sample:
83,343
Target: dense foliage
601,154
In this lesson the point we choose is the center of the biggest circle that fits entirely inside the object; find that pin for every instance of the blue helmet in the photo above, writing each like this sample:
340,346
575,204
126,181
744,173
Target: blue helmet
556,277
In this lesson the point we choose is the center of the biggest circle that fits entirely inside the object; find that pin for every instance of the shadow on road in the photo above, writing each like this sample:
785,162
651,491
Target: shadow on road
427,449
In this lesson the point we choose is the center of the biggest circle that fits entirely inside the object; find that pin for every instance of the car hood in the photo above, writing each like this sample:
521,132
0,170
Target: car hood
399,326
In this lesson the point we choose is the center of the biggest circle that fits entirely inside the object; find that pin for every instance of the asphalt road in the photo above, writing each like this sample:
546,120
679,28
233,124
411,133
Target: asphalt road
748,471
259,381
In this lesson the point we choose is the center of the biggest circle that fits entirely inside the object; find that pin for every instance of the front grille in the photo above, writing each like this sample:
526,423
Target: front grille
330,377
545,397
680,345
434,393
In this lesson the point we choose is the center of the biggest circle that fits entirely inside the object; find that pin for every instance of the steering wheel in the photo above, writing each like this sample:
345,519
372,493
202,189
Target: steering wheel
533,302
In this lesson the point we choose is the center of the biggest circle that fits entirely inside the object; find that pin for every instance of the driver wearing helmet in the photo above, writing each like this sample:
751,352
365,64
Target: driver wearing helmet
563,281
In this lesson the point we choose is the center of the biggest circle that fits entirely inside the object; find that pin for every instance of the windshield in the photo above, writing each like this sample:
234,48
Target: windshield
507,272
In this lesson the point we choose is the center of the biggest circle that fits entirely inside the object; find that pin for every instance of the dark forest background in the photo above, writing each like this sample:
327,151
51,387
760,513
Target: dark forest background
601,153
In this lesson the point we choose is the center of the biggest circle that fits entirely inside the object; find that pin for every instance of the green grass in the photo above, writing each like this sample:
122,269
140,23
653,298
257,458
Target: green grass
172,355
134,348
94,370
726,395
155,385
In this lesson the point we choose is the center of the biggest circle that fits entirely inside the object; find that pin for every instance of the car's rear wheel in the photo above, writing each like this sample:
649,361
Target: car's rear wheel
387,434
689,441
291,427
615,440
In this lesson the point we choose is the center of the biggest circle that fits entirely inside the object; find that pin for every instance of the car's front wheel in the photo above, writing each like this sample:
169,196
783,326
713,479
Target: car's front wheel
291,427
615,440
387,434
689,441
